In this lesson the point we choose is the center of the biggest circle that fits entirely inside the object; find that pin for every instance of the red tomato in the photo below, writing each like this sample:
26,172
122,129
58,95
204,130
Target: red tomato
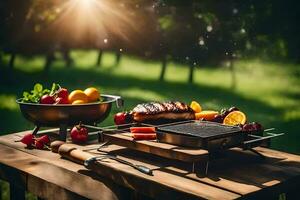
120,118
79,134
123,118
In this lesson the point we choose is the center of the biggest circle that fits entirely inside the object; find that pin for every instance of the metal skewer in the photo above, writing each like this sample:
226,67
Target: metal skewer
140,168
269,129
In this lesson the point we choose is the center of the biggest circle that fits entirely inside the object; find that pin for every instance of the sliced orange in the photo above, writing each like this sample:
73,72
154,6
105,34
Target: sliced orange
77,95
206,114
196,106
235,118
92,93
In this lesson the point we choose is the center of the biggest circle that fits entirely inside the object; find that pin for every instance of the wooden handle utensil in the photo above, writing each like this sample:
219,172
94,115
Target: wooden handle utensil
70,152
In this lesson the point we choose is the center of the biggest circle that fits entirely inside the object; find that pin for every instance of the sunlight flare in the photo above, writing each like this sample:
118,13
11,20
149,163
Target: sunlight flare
95,21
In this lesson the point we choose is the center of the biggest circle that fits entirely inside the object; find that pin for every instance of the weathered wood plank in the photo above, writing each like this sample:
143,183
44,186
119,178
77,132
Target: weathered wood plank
247,177
160,185
238,172
47,180
160,149
162,191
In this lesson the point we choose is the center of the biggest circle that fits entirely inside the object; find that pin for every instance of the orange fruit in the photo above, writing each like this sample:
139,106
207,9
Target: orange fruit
206,114
235,118
77,95
78,102
92,93
196,106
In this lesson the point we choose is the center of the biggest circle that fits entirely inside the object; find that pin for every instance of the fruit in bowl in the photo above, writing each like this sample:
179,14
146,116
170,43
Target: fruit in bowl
60,95
53,108
77,95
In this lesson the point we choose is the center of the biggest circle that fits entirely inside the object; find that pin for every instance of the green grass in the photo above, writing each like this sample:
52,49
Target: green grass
267,92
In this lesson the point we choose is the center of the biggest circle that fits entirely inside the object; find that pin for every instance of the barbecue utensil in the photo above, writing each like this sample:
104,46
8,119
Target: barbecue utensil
201,134
70,152
140,168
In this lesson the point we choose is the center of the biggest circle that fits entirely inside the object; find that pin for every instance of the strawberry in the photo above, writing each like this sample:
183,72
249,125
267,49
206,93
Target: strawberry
28,139
39,144
44,139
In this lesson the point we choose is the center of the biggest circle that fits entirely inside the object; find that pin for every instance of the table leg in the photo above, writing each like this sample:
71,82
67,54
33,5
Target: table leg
1,193
63,132
16,192
206,167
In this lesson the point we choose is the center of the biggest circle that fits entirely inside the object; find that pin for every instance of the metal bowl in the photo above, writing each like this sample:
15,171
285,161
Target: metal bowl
67,114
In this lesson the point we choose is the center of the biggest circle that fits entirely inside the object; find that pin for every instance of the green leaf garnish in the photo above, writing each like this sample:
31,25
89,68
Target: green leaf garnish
38,88
38,91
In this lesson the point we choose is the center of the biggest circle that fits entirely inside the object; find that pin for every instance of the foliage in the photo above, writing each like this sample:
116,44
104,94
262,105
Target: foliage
38,91
212,30
191,31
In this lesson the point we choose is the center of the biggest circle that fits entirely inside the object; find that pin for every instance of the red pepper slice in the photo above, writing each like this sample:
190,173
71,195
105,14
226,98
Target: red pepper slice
144,136
144,129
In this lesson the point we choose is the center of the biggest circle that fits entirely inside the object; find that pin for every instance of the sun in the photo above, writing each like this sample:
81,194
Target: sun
95,20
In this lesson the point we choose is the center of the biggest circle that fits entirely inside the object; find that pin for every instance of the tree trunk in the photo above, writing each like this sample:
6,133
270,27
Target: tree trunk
99,59
67,57
163,68
191,75
118,58
49,60
12,61
233,74
1,58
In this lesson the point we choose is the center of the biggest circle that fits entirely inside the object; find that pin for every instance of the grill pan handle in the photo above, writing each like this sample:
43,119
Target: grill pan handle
259,139
270,135
119,100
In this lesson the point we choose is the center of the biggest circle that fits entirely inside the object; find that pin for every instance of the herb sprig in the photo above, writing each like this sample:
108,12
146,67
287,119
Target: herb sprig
38,91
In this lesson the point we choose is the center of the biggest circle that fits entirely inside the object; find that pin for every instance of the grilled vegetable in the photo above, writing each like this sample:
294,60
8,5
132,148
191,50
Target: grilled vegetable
142,129
144,136
206,114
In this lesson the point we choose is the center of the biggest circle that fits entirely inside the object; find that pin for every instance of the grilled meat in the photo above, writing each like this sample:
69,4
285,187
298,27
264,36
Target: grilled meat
172,111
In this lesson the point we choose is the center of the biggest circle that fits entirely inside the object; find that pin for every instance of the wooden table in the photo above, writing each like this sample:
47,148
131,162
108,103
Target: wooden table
236,175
